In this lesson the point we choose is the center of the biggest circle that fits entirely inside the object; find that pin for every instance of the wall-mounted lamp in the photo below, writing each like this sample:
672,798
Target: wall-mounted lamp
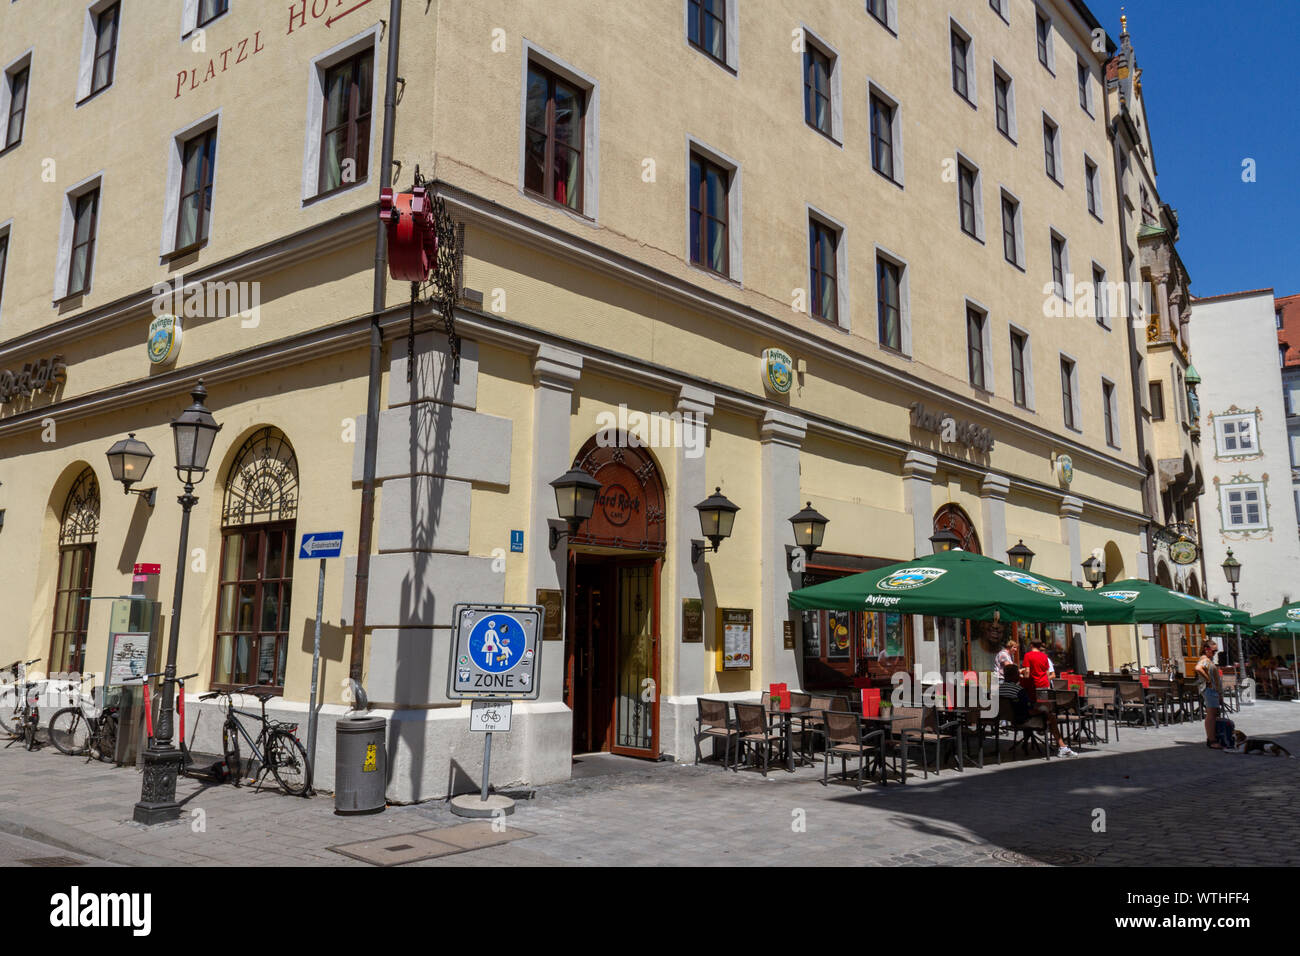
717,515
1020,556
1093,572
944,541
809,530
128,460
575,500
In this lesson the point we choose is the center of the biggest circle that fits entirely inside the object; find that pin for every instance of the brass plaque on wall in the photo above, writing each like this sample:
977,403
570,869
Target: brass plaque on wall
553,602
692,621
788,635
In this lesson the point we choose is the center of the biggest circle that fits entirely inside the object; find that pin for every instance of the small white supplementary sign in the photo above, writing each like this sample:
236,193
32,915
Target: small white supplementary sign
489,716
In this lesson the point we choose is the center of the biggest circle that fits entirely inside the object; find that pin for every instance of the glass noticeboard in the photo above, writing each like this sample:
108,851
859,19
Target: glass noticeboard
133,650
735,639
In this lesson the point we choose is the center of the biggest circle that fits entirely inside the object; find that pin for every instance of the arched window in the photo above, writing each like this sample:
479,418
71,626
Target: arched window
952,518
257,547
78,528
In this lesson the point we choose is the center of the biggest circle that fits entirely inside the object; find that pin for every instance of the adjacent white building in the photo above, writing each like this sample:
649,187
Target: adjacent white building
1248,504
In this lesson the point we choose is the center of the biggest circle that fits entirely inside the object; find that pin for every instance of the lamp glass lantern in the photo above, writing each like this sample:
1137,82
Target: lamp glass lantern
944,541
194,432
717,516
1093,572
1020,556
128,460
809,528
575,500
1231,569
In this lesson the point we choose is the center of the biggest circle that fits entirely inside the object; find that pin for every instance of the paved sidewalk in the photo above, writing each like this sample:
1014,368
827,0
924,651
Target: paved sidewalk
1157,797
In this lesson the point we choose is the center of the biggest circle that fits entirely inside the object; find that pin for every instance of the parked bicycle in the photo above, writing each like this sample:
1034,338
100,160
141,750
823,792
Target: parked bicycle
23,721
186,758
84,728
276,747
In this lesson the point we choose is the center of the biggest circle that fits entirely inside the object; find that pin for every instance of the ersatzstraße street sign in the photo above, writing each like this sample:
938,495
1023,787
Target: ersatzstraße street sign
489,716
495,651
321,544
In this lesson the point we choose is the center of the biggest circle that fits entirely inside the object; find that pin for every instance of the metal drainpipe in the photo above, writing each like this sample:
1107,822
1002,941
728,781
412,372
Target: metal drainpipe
376,357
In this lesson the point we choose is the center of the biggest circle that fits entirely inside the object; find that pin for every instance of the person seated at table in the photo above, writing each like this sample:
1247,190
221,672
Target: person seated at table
1007,655
1023,707
1039,665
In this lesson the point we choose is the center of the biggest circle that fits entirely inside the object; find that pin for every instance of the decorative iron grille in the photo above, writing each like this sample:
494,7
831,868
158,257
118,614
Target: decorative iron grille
80,523
263,481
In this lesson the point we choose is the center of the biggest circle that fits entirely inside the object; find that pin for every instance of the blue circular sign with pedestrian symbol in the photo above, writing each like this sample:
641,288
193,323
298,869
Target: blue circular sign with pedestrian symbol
496,643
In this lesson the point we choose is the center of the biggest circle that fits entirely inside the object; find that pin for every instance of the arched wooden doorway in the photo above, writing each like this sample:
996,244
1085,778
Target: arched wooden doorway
952,518
78,530
612,644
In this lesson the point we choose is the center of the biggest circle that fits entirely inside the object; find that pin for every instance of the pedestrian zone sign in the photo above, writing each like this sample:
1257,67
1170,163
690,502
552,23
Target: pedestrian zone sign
495,650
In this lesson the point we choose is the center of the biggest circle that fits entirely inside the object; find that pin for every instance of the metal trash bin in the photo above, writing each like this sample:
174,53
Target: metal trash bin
360,765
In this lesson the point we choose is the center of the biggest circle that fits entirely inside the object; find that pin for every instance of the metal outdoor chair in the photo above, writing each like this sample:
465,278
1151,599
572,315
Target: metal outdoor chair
1286,684
907,726
1231,693
714,722
846,739
1103,702
1034,729
756,731
814,724
1069,716
1132,699
1163,693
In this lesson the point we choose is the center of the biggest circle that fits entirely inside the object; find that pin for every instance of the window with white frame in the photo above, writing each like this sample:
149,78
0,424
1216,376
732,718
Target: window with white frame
1052,149
1092,185
341,102
886,134
1060,265
885,12
970,198
1013,231
78,231
196,14
98,48
1043,35
1085,87
1100,296
5,228
893,306
1110,412
14,93
979,354
714,210
191,179
1244,507
1236,435
962,54
827,269
1070,393
712,27
1004,102
823,109
1022,368
1000,8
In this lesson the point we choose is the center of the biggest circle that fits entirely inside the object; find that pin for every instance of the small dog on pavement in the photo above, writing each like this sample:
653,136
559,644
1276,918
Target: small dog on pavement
1258,745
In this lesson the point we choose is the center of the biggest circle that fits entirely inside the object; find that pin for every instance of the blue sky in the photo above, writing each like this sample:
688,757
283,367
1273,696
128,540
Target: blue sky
1221,84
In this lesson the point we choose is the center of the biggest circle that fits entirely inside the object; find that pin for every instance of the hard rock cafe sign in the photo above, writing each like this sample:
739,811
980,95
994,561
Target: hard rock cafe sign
951,430
42,376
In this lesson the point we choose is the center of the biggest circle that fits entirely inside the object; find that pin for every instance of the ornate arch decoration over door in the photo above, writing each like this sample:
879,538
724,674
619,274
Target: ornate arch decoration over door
629,509
952,518
78,530
258,538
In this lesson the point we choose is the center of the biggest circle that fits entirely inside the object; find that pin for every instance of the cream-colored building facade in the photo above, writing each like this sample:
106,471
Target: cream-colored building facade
573,313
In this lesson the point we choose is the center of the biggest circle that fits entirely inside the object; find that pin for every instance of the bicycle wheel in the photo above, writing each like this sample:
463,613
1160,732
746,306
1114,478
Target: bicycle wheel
70,731
106,745
288,759
230,750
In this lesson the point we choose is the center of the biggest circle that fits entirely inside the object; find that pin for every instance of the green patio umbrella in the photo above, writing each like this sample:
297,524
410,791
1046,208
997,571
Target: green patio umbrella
958,583
1278,623
1154,604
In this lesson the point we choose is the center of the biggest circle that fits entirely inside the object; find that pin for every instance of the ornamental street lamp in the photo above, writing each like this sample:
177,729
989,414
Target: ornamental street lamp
717,515
128,460
1232,571
1020,556
809,529
1093,572
575,500
193,432
944,541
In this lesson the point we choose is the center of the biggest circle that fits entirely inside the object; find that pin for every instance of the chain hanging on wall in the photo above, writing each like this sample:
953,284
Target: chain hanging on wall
443,288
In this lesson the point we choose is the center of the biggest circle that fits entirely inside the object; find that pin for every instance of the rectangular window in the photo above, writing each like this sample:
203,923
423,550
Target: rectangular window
1236,435
1244,506
345,128
975,347
101,75
997,7
1108,412
71,608
209,10
1002,103
555,129
822,249
709,240
198,166
960,76
882,137
1067,393
1043,29
967,180
1099,297
253,610
817,89
4,262
1085,99
1050,144
1019,389
1010,245
1157,393
1058,265
1091,184
880,10
85,210
707,27
18,82
889,304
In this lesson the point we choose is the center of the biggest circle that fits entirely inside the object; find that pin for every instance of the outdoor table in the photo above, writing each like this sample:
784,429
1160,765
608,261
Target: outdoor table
785,713
885,722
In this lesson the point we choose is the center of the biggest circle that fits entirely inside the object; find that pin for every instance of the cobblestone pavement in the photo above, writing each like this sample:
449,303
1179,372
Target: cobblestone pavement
1155,798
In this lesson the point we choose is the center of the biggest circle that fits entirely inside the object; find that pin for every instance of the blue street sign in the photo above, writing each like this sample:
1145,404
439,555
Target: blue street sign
497,643
517,542
322,544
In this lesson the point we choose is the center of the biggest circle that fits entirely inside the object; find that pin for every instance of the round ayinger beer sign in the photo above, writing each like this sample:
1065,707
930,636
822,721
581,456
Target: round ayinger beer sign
1030,583
164,339
910,578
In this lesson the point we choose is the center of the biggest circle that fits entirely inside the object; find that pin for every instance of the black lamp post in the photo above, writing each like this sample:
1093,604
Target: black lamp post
128,460
575,500
717,515
1020,556
1093,572
193,431
1232,571
944,541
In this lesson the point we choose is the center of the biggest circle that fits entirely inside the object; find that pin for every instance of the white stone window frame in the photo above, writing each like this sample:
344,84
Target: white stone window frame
895,131
175,169
590,212
1057,150
735,243
18,63
1112,406
904,299
1093,176
6,233
986,338
66,225
1050,65
731,42
316,70
1030,403
842,301
190,17
1100,301
86,68
890,22
1066,291
1243,487
964,160
1221,422
1018,226
1076,402
811,39
1013,131
1002,9
1089,104
972,79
